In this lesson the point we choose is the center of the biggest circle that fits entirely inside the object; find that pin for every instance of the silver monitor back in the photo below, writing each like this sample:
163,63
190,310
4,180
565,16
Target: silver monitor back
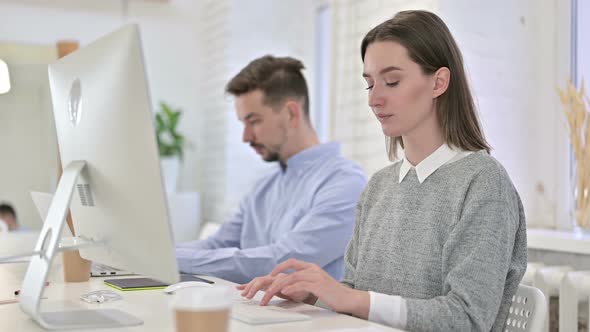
103,116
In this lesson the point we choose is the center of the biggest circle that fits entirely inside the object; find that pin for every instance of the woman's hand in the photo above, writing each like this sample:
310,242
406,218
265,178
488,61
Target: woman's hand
308,283
262,283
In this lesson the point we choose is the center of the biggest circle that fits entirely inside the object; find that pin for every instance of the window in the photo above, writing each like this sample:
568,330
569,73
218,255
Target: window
580,62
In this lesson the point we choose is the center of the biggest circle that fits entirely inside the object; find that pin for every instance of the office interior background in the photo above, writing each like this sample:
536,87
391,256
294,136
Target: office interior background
517,53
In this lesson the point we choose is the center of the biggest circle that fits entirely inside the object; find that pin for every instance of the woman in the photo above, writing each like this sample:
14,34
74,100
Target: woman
440,237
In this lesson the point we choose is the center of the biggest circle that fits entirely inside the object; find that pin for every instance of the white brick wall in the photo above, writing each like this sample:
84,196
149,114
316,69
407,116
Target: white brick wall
502,78
212,31
516,54
513,56
513,52
352,121
504,45
240,31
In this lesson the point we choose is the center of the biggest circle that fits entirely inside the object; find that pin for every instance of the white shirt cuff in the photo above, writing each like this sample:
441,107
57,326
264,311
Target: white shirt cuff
388,310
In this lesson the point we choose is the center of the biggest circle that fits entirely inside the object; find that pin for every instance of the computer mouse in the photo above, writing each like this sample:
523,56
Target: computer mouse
185,284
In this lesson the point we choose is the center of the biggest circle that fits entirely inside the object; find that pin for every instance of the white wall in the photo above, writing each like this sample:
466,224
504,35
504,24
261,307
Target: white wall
516,52
260,27
353,123
192,48
169,40
26,119
236,32
168,35
515,56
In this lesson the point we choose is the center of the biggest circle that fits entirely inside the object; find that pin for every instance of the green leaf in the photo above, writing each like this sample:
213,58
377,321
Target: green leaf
167,120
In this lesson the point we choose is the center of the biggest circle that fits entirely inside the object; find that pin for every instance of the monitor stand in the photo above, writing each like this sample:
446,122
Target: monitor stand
48,245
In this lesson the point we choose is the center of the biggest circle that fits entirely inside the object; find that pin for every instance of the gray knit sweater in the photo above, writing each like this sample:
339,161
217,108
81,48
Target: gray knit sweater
453,246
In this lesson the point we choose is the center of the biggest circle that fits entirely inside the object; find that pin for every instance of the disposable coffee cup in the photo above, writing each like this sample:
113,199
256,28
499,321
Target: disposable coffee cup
202,309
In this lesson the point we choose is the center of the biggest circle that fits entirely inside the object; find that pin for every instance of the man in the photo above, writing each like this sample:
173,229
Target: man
305,209
8,217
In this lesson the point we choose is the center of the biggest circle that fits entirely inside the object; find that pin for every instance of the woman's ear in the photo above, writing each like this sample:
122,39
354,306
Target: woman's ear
442,78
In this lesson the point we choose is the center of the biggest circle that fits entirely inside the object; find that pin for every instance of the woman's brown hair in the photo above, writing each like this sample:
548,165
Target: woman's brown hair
431,45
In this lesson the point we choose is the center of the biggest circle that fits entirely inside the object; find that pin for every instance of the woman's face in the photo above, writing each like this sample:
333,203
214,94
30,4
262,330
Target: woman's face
400,95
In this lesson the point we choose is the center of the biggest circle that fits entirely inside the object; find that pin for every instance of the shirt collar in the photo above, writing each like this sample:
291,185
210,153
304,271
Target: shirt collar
429,165
301,160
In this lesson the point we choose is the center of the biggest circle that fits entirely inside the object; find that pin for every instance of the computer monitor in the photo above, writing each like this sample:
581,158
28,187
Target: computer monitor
111,181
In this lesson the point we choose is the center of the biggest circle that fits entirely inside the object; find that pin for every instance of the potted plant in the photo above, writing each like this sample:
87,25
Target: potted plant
171,144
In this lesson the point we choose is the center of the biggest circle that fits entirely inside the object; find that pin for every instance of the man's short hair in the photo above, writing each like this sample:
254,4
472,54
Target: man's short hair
277,77
6,208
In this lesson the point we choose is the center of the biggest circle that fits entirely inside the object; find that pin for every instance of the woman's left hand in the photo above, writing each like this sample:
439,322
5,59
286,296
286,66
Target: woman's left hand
311,278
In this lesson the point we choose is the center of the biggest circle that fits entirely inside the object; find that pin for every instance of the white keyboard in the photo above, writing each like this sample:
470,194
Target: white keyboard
250,312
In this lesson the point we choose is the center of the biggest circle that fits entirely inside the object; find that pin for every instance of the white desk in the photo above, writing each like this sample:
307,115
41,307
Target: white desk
151,306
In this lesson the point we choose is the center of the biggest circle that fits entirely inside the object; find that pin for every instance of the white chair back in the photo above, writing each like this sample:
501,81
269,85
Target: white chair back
527,311
574,290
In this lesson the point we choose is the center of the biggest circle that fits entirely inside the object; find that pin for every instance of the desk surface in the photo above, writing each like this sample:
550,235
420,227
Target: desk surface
151,306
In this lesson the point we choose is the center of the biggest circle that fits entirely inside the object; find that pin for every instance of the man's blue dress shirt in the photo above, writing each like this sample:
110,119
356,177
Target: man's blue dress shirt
305,210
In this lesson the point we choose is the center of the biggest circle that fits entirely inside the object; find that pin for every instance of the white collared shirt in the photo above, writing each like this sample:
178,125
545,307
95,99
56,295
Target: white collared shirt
391,310
444,154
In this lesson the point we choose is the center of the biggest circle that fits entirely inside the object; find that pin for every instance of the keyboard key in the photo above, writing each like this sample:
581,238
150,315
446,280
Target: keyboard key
250,312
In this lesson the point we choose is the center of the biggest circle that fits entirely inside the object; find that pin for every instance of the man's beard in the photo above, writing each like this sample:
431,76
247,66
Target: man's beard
270,157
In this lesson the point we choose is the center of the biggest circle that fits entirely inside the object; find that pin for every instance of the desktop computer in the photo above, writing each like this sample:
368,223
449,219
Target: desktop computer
111,181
